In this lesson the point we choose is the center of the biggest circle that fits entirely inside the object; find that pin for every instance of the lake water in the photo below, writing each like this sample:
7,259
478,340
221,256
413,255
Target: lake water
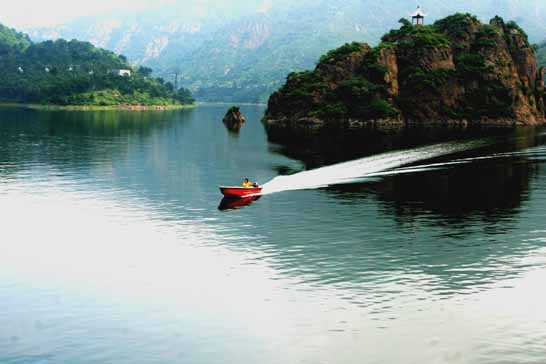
113,248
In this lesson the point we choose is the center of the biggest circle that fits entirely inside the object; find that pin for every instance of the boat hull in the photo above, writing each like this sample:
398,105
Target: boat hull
240,192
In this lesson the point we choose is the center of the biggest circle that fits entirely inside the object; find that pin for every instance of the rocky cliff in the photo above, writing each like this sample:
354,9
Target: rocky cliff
456,71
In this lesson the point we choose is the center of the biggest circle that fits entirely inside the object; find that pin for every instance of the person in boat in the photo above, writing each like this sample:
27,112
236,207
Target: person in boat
247,184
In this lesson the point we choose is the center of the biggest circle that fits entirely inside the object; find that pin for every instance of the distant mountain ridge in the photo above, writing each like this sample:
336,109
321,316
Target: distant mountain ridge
242,51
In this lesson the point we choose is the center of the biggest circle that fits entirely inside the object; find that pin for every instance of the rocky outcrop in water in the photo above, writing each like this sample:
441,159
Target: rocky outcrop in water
457,71
234,119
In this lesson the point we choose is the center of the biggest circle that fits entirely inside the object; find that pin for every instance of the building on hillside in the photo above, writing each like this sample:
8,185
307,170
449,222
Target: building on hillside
121,72
418,16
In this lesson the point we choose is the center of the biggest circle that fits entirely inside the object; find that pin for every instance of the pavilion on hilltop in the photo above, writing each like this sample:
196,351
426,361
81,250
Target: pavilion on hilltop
418,16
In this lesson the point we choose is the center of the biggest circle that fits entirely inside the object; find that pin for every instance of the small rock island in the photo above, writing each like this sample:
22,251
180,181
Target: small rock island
457,71
234,119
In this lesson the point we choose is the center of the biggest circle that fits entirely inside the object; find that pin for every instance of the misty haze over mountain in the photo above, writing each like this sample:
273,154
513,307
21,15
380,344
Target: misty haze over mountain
243,50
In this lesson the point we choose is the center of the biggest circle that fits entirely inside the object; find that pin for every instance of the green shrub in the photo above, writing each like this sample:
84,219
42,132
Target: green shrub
428,37
371,69
513,26
337,54
470,65
418,79
380,108
331,111
486,37
423,36
455,25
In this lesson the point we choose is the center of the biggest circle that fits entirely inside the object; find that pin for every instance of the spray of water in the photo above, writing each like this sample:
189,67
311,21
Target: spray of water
369,167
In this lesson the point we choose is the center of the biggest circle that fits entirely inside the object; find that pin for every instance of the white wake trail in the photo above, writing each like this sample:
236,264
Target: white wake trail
354,171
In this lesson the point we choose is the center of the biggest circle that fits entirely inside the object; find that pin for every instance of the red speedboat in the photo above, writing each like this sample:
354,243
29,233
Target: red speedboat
240,192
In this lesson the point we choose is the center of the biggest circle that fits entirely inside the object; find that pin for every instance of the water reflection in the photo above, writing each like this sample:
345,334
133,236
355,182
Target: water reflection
456,196
228,203
453,225
336,147
71,140
115,236
177,158
492,180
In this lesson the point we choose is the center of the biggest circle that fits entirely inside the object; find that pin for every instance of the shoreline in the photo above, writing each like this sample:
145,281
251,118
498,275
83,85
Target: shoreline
313,125
288,131
53,107
220,103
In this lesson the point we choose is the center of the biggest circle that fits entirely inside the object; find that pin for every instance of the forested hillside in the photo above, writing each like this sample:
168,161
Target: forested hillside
75,73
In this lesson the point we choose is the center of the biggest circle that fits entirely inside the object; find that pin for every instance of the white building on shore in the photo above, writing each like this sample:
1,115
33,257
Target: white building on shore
122,72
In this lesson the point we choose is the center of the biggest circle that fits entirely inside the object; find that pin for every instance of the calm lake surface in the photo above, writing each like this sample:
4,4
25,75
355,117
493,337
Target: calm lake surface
114,250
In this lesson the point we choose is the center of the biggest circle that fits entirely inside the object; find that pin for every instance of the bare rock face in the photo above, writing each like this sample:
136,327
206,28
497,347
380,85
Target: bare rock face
387,59
234,119
455,72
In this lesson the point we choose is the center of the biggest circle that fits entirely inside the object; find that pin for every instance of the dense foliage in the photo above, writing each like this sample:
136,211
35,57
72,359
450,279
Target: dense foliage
417,37
338,53
10,38
76,73
456,25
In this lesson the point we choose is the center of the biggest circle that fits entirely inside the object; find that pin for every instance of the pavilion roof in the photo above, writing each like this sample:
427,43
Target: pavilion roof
418,13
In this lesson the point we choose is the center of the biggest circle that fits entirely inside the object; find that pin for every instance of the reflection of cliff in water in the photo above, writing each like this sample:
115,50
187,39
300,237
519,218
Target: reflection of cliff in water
338,146
463,226
490,189
490,181
486,191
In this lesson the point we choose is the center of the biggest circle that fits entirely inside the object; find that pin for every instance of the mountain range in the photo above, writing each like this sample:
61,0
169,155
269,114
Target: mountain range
243,50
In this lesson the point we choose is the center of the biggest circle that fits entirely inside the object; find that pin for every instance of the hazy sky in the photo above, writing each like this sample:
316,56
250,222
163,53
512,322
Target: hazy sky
31,13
